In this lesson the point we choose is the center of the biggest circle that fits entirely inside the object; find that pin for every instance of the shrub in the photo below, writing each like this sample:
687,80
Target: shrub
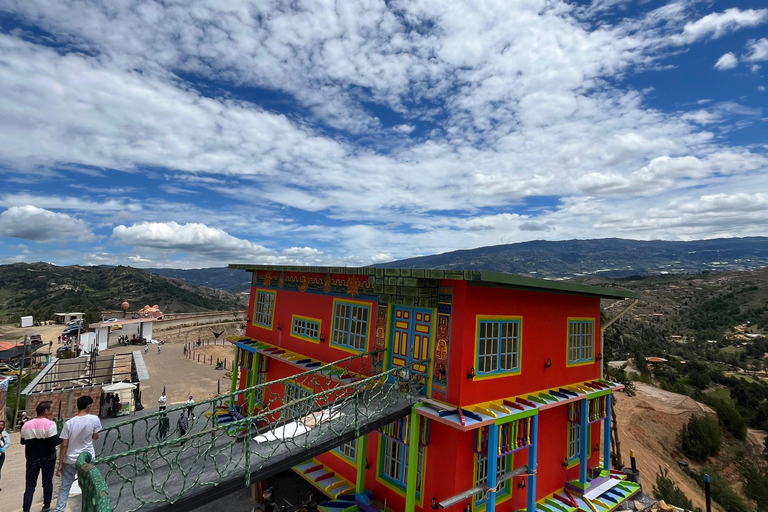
665,489
755,484
700,438
723,494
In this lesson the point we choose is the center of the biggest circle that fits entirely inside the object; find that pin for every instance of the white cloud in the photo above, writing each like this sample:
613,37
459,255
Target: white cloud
758,50
718,24
33,223
727,61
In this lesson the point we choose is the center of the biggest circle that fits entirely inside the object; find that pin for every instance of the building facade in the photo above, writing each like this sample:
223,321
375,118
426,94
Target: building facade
513,415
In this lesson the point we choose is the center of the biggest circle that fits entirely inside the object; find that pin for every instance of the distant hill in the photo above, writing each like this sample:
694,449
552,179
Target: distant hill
608,257
233,281
41,288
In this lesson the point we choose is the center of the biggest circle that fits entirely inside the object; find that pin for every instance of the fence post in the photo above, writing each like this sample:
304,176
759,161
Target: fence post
95,497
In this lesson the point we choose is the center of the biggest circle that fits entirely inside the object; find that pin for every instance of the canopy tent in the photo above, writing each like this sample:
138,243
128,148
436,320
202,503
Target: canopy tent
124,393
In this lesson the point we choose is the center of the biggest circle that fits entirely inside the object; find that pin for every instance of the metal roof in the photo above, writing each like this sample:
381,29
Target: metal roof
472,276
141,368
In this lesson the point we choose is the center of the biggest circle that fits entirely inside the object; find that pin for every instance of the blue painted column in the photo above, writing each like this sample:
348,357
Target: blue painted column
607,433
493,460
584,451
533,454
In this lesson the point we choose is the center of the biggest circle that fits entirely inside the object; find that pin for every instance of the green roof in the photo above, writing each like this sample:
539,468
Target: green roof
474,276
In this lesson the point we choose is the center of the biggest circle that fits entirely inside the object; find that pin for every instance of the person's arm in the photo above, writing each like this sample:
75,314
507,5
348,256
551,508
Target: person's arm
62,456
6,442
96,428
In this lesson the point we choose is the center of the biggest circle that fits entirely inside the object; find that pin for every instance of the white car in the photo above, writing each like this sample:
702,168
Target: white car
112,320
76,321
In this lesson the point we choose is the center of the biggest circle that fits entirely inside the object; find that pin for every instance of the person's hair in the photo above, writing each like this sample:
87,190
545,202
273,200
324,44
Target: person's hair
83,402
42,407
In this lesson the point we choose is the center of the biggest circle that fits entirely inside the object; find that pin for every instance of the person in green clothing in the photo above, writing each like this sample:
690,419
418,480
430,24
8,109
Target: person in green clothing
163,426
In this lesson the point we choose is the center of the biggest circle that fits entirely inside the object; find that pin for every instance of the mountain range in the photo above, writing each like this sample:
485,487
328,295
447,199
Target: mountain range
568,259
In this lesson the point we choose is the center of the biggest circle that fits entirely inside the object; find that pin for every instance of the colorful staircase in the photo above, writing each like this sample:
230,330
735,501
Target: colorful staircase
602,494
325,479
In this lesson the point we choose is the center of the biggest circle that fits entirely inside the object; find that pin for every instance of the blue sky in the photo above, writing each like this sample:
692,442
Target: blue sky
193,134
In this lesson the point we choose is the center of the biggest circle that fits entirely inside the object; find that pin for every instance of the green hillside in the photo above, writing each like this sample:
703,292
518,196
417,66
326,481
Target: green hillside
41,289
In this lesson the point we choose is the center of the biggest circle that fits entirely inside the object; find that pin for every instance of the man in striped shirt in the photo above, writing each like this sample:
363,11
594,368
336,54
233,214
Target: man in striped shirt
40,439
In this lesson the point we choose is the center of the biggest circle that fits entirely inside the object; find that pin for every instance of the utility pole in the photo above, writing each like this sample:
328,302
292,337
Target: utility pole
21,373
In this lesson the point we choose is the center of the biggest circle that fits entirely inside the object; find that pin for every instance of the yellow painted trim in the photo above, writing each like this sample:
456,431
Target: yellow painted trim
370,307
483,410
498,375
568,339
309,319
274,308
498,407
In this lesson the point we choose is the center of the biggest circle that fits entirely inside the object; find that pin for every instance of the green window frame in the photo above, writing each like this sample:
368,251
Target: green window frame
581,341
574,442
305,328
264,308
498,346
350,325
394,463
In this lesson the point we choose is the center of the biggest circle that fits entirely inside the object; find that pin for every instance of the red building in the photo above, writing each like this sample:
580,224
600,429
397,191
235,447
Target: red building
514,412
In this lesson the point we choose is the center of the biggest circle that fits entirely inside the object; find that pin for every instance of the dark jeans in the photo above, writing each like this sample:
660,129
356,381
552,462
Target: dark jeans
34,467
2,461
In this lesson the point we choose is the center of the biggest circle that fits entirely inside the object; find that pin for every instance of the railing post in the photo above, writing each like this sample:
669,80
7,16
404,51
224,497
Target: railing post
95,497
361,454
233,388
492,461
413,460
533,454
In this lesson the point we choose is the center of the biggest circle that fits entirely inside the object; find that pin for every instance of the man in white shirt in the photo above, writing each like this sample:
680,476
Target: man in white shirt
78,435
162,401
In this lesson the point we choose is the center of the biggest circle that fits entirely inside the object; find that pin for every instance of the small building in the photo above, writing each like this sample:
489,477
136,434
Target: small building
514,411
26,321
63,318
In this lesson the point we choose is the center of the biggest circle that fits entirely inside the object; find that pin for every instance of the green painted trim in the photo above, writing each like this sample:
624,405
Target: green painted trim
473,277
558,505
549,397
537,400
254,378
235,371
600,393
518,416
361,453
413,461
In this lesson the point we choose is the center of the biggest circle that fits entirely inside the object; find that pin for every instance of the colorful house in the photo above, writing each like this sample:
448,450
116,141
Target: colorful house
514,412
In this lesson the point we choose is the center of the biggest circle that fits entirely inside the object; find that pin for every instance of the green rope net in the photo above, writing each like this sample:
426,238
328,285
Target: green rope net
147,464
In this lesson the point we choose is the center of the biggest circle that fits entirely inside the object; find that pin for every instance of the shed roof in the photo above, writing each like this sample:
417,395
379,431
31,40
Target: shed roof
473,276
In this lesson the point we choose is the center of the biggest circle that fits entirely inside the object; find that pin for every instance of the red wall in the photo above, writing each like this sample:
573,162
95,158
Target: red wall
544,336
311,305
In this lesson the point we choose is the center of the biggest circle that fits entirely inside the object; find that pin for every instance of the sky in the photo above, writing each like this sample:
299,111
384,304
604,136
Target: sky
191,134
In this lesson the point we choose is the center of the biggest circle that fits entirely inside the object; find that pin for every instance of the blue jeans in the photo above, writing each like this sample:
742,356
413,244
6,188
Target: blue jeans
34,468
68,474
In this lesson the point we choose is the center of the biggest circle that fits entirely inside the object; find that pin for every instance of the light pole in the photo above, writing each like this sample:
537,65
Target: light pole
21,374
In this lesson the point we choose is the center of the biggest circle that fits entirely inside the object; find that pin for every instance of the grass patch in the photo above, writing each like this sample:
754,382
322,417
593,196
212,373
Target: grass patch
721,393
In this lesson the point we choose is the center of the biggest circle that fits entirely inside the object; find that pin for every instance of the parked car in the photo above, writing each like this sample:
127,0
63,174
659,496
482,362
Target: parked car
76,321
64,349
112,320
36,338
72,331
7,369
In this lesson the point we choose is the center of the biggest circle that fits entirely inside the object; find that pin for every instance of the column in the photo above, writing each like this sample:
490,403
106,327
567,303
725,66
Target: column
360,455
235,367
584,451
607,433
254,378
533,454
413,461
492,463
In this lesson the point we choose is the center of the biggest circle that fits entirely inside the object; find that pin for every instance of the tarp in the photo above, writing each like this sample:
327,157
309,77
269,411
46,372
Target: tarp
117,386
18,350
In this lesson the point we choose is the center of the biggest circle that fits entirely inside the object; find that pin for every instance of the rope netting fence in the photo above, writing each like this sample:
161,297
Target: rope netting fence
152,461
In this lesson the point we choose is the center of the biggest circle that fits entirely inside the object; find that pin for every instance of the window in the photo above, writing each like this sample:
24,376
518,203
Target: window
481,474
261,378
574,429
498,346
348,450
395,462
581,341
263,309
305,328
294,393
350,325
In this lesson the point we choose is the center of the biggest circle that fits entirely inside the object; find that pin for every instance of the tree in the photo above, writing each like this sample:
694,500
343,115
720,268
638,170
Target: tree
700,438
755,484
665,489
729,418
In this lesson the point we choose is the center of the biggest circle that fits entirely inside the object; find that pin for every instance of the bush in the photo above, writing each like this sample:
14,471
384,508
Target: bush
700,438
723,494
730,418
665,489
755,484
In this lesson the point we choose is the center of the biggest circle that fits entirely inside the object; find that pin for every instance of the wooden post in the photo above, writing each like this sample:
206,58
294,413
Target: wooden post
616,441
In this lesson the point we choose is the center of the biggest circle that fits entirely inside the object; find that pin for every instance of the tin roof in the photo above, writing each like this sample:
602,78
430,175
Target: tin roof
472,276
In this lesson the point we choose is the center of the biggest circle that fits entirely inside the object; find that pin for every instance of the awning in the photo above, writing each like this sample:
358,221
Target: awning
118,386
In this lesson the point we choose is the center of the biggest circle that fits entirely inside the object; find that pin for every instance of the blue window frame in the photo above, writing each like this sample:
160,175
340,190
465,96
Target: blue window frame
305,328
264,309
293,393
498,346
574,444
350,325
581,341
348,450
394,463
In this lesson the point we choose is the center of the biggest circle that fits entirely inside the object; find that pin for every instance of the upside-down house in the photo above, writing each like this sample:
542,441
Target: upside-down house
513,412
